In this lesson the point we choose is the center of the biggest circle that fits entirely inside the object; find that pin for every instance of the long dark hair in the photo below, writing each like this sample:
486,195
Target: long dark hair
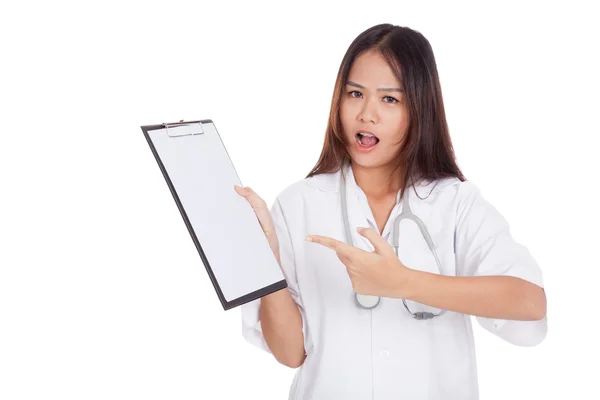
426,152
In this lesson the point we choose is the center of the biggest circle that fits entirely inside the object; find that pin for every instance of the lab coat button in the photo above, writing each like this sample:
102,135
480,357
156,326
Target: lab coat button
384,353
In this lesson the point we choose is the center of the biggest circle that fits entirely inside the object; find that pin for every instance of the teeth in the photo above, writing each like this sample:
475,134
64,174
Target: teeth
366,134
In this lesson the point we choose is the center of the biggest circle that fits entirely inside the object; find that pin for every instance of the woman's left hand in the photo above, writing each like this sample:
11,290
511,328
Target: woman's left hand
377,273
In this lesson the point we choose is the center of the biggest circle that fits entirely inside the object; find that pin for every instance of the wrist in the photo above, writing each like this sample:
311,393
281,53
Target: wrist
407,282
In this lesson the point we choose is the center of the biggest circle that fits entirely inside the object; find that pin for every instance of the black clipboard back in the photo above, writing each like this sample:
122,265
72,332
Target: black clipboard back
224,228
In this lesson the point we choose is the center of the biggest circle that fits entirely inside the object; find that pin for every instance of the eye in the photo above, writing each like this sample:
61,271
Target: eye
354,91
393,99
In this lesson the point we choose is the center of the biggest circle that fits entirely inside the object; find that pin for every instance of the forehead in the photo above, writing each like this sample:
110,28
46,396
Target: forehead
371,69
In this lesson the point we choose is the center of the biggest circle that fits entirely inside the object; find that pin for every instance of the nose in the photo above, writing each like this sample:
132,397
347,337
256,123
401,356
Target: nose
368,112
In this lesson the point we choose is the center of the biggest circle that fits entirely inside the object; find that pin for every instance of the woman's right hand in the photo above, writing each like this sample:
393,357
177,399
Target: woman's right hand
264,216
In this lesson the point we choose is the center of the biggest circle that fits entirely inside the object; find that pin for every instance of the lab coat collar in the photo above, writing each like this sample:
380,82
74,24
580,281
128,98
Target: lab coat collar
330,182
356,199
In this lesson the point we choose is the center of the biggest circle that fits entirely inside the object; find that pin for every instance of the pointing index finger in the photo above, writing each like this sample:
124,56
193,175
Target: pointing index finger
327,242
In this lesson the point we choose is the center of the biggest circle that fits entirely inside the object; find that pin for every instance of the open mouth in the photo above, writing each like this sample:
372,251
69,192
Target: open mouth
367,139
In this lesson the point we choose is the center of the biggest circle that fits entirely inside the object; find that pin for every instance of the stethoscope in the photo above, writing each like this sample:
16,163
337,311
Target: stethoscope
369,302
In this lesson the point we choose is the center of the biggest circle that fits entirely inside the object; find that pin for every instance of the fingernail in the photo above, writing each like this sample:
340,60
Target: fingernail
308,239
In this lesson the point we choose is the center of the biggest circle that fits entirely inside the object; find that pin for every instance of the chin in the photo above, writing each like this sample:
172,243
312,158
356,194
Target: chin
366,160
370,160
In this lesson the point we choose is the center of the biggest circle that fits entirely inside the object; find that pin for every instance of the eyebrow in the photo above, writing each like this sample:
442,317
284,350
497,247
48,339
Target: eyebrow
350,83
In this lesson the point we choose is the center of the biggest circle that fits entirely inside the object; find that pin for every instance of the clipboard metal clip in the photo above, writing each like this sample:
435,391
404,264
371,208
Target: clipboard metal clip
183,128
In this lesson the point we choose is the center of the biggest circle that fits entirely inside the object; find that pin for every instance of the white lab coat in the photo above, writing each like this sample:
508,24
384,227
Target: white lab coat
380,354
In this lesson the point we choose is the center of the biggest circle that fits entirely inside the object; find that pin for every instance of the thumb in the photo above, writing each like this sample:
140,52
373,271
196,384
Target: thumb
382,247
241,190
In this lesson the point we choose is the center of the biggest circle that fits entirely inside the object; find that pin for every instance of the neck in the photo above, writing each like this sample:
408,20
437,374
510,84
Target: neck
378,183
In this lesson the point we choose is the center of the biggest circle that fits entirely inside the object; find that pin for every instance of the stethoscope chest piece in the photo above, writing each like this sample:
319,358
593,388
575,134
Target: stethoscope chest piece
366,301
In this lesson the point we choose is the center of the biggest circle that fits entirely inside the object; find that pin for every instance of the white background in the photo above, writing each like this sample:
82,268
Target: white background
102,292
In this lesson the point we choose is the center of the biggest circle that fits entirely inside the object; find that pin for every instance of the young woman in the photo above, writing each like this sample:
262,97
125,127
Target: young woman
383,312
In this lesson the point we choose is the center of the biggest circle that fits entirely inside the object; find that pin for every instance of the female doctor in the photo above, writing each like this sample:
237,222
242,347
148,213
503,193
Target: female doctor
386,248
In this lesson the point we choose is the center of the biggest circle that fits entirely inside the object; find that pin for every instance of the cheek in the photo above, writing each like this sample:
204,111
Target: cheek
344,108
343,113
400,119
346,115
397,124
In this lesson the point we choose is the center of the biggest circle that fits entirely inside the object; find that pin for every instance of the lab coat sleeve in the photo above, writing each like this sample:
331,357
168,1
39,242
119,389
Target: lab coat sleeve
484,246
251,326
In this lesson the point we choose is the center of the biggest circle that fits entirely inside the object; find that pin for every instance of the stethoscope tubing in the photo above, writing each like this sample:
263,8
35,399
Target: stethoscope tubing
370,302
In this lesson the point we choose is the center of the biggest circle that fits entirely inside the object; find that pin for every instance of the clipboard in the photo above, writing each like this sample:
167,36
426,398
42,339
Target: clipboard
222,224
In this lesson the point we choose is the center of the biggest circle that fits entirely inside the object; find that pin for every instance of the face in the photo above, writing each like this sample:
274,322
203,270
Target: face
373,102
